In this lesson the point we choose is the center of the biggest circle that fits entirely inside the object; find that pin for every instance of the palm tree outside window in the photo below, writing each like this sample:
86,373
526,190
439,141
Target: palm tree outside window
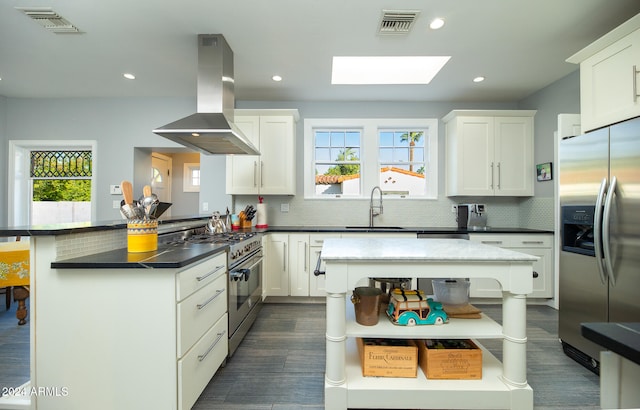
402,162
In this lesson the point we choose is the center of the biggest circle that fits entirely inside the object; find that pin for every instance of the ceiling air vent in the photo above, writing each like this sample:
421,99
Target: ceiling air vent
397,21
49,19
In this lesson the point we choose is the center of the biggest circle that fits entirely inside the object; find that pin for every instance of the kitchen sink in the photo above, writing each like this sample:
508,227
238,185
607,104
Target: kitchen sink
374,228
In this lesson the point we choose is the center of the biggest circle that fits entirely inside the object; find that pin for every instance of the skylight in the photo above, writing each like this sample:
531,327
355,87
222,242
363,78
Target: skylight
386,70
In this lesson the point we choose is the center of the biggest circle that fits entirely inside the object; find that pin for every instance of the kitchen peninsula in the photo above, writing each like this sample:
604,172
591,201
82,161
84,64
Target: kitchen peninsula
351,262
113,329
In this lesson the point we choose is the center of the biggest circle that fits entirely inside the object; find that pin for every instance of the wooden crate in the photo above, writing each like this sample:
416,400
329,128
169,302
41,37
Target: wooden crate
388,357
454,359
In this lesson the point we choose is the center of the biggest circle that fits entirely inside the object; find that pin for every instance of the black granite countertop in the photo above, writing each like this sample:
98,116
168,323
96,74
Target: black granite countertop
167,256
620,338
84,227
177,256
96,226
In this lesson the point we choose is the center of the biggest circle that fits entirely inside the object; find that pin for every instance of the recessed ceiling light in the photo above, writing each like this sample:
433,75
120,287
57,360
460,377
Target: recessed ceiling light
436,23
386,70
478,79
276,78
129,76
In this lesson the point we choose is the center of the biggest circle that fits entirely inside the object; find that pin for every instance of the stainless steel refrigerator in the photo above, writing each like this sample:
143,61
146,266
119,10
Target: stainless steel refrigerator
600,234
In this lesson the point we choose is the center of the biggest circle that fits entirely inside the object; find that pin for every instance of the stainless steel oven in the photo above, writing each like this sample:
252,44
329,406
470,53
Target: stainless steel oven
244,288
244,262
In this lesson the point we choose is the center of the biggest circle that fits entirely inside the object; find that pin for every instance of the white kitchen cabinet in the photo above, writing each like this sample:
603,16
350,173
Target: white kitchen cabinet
540,245
299,273
157,330
317,284
276,275
273,171
489,153
610,77
291,260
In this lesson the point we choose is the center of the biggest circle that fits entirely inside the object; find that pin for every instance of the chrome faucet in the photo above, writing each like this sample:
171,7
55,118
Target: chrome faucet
373,213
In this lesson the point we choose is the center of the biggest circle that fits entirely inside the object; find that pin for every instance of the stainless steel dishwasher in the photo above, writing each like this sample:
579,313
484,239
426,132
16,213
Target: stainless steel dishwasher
424,283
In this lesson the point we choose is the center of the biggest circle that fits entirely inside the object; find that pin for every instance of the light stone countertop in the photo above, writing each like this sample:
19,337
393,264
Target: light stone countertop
410,249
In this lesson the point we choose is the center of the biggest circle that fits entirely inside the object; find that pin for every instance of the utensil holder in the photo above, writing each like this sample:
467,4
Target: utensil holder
142,235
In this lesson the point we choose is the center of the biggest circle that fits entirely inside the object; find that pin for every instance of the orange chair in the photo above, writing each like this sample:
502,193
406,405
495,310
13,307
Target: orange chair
14,274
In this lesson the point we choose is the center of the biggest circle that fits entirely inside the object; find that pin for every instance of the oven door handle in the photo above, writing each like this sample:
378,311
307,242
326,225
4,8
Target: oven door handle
317,271
259,261
238,274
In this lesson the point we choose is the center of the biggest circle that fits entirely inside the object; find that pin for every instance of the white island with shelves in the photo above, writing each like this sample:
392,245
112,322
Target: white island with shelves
351,262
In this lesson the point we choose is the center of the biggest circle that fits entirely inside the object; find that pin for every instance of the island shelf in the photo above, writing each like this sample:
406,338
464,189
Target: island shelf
352,262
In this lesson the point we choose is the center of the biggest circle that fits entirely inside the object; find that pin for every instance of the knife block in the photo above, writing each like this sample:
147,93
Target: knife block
244,223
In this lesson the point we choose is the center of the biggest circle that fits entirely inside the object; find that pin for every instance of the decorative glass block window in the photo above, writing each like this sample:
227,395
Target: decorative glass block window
61,164
61,176
402,162
337,162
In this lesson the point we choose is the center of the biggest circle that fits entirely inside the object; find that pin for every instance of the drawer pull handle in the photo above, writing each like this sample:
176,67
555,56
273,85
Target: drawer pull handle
202,305
215,342
201,278
635,84
491,242
535,274
534,242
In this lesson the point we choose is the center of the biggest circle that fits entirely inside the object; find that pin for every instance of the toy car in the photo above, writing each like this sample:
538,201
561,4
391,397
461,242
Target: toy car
410,308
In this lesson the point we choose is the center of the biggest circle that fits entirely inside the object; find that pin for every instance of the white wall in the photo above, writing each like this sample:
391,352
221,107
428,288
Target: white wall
4,148
120,125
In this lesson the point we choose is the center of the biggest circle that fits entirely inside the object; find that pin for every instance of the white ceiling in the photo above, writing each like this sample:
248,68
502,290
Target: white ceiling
519,45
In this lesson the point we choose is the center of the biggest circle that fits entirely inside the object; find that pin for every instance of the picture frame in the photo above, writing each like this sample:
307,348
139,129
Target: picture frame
544,171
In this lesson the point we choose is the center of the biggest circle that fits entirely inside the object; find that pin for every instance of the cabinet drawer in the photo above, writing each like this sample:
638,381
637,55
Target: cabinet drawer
317,239
196,277
197,367
514,241
199,312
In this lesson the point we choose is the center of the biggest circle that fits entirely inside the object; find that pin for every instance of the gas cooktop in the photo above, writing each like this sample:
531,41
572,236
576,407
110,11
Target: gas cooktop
201,236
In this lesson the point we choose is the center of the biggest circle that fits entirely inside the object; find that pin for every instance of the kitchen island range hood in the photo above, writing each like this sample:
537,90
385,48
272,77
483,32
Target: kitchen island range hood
211,130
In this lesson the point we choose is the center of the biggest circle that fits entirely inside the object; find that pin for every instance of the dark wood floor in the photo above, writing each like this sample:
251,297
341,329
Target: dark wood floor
280,364
14,347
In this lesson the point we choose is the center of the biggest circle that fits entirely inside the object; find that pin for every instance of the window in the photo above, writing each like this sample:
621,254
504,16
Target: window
191,177
402,162
337,161
61,186
346,158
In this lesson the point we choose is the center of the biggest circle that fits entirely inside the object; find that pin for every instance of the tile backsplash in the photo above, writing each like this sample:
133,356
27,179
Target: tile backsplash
83,244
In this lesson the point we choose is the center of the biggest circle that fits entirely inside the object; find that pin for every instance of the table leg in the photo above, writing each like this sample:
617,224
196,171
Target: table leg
20,294
514,329
7,291
335,374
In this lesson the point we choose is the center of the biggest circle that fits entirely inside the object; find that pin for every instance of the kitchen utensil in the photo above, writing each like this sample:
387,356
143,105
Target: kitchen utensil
130,210
227,220
157,209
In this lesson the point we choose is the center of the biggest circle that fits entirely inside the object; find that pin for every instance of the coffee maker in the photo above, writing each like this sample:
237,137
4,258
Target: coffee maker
471,216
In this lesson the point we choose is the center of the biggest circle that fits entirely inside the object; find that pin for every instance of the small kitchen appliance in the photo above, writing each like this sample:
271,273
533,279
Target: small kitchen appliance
472,216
